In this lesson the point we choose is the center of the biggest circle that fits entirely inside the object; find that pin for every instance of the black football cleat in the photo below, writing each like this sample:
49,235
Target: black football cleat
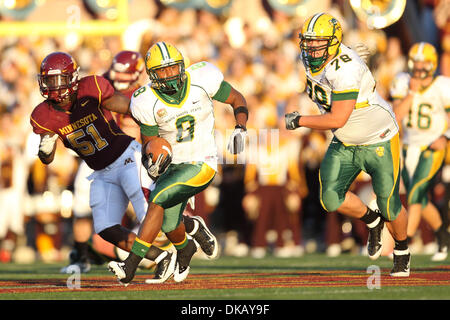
164,269
184,257
401,265
374,242
123,273
205,239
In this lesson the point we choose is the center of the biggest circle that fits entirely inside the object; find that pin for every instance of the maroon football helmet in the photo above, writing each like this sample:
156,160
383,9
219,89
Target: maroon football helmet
125,69
58,77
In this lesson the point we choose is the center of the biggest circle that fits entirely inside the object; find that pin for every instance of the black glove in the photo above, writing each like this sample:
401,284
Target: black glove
292,120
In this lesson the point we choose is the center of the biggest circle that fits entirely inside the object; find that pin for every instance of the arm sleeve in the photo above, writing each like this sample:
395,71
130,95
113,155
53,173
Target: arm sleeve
40,122
345,81
223,93
149,131
104,88
141,108
206,75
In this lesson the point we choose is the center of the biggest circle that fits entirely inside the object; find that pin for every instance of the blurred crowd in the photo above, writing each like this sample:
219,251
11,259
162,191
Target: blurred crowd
263,204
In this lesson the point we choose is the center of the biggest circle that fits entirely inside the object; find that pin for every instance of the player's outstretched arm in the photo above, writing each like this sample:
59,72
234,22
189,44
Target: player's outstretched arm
336,118
118,102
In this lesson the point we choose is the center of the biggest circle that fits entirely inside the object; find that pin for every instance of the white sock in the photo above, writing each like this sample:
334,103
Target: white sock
401,252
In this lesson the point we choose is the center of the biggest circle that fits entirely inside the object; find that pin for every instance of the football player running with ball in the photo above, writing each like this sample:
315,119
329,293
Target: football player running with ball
365,136
420,102
78,111
177,105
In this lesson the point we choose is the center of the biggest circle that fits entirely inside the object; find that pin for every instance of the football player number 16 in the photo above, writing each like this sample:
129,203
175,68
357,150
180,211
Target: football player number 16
87,148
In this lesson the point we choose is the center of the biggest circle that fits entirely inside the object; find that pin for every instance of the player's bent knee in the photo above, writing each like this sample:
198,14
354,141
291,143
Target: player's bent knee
107,233
172,219
330,200
113,234
169,226
391,212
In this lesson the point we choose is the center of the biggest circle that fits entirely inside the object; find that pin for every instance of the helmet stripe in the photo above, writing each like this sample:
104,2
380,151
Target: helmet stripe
164,52
167,50
420,50
313,21
419,55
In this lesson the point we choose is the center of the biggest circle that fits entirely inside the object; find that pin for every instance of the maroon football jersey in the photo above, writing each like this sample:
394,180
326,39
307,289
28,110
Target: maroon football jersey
87,128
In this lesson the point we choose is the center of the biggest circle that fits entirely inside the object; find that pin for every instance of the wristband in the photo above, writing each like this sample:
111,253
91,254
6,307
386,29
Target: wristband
241,109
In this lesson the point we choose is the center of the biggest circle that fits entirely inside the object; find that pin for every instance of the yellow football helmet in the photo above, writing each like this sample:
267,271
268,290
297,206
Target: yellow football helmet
162,55
425,52
321,26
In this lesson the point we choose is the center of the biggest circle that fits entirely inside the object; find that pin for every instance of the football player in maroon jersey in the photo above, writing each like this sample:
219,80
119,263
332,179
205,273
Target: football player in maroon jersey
78,111
123,74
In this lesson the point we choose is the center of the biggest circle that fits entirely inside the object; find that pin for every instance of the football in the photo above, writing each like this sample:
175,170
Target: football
158,146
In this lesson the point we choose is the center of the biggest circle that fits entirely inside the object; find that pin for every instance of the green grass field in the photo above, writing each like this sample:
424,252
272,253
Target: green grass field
312,277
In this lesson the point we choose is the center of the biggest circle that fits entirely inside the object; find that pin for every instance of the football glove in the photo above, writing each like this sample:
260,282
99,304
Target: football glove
292,120
237,140
47,144
363,51
154,170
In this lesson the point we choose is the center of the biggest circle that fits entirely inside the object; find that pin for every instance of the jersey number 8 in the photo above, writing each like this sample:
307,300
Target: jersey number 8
185,126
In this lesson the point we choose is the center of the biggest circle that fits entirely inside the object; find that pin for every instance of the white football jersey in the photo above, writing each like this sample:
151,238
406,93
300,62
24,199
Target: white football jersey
427,117
189,125
347,77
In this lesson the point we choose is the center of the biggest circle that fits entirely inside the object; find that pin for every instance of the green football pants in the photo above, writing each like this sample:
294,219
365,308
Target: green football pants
418,183
174,188
342,164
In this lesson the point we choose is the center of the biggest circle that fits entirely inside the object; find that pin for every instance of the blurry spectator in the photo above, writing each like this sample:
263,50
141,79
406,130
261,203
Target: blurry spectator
12,186
275,186
229,218
445,56
7,98
388,65
314,216
374,39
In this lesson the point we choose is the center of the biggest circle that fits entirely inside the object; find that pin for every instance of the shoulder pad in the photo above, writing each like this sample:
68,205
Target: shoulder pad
206,75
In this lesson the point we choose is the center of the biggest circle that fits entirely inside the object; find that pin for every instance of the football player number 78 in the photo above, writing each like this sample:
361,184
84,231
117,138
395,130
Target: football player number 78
87,147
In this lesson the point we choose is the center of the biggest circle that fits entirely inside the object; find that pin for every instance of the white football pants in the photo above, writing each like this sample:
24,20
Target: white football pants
113,187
